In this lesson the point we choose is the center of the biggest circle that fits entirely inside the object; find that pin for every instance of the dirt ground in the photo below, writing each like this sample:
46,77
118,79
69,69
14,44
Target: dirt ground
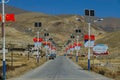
20,64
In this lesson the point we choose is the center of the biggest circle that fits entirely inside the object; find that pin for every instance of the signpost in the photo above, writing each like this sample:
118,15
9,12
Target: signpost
100,49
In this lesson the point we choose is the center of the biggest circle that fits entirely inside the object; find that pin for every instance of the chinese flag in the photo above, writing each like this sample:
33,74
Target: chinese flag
92,37
35,39
9,17
0,17
40,39
79,44
86,37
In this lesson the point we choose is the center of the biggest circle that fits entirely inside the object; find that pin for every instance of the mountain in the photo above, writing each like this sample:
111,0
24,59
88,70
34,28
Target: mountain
11,9
23,31
110,24
112,39
60,27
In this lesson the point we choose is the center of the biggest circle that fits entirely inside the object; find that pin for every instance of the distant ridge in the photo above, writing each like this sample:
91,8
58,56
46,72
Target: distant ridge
110,24
11,9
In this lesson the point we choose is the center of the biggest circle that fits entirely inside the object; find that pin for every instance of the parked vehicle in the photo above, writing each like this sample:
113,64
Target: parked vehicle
52,56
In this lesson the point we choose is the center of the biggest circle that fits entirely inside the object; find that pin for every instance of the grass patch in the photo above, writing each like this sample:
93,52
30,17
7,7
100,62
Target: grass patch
111,73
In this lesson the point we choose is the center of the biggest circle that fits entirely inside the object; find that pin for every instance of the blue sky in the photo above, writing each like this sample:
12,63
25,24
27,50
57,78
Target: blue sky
103,8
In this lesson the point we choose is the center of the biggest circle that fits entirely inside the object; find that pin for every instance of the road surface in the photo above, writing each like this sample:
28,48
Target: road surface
61,68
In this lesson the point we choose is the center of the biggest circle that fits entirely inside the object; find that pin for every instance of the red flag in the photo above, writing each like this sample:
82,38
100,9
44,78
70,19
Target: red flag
35,39
46,43
40,39
70,46
9,17
66,49
79,44
92,37
86,37
0,17
75,44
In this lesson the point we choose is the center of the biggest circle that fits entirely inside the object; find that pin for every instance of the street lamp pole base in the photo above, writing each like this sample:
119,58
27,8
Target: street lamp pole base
4,70
88,64
76,58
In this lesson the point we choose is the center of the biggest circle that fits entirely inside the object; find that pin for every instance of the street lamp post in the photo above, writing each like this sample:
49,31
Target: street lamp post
38,25
89,13
3,39
77,31
72,37
46,35
50,45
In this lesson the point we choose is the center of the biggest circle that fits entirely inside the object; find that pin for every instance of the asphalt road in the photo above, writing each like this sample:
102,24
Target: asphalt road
60,69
